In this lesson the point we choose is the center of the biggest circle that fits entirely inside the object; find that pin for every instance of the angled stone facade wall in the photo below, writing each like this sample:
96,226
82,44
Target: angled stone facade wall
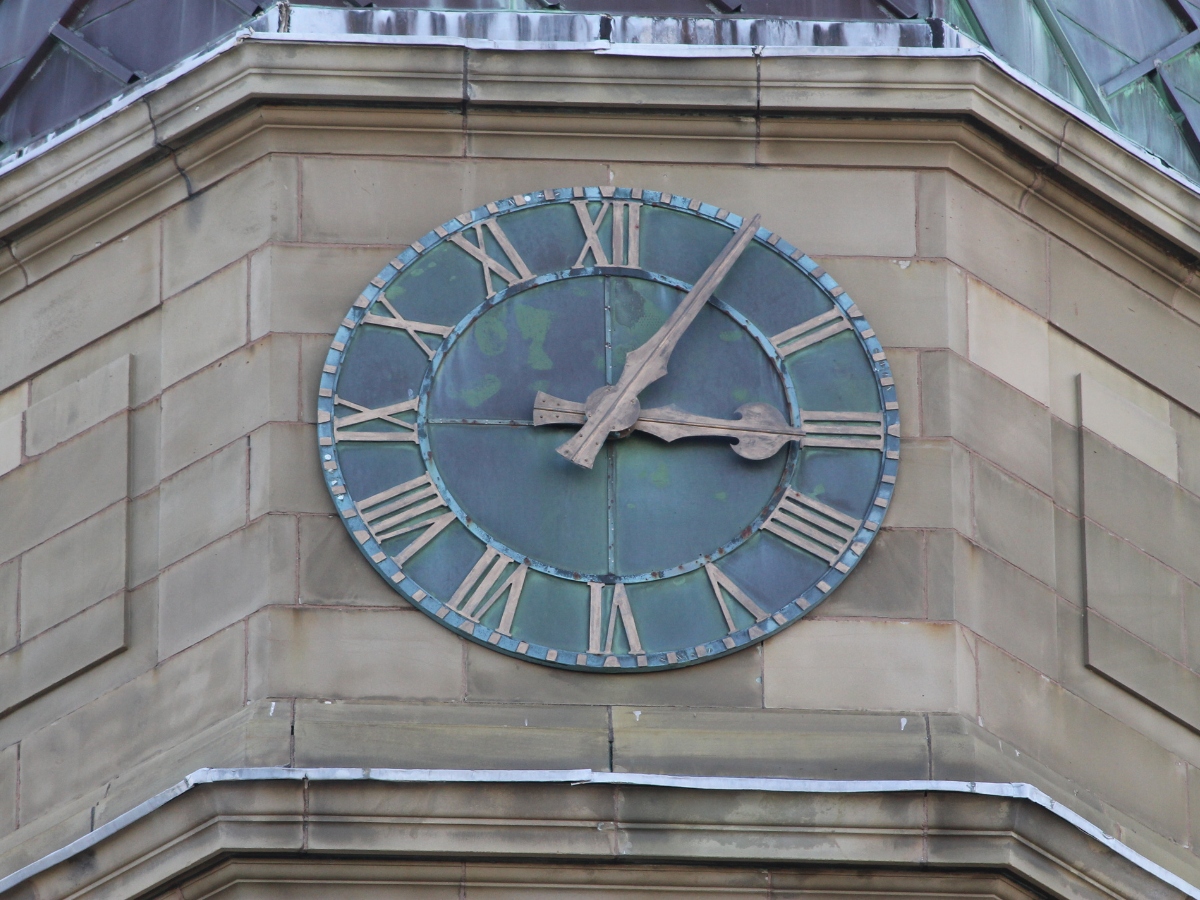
160,346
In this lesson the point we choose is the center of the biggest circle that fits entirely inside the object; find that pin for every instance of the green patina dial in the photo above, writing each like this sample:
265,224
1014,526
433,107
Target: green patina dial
603,428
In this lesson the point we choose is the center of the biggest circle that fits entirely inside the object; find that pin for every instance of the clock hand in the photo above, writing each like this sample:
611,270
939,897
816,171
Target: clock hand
615,407
759,431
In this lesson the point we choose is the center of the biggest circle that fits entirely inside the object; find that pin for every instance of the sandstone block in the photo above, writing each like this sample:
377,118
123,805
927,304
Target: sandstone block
940,548
139,656
10,443
285,473
1191,624
210,230
333,570
65,486
962,401
140,340
734,680
1009,341
8,790
1187,427
314,348
203,502
1143,670
350,201
226,581
353,654
1069,359
73,570
1134,590
906,368
8,605
984,237
910,303
180,697
888,583
145,447
871,665
825,212
14,401
1068,556
1138,503
933,488
143,538
51,657
1121,322
204,322
307,289
1003,605
229,400
1128,426
1013,521
59,315
78,407
1082,743
405,735
779,743
1064,447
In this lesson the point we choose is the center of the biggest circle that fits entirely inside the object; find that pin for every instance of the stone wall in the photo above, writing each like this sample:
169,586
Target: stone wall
175,591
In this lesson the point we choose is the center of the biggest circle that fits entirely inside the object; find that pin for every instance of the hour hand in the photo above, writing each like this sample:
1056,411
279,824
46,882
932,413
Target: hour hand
758,433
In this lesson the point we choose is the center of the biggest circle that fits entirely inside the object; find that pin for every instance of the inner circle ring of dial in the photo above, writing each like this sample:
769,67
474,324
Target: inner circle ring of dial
481,634
793,411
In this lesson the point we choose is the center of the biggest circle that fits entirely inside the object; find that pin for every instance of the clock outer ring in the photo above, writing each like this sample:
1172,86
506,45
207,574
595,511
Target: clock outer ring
595,662
725,549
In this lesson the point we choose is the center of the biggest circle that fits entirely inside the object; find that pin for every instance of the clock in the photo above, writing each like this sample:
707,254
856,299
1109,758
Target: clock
608,429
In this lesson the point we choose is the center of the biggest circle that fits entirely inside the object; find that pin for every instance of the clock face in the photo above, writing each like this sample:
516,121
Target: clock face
603,428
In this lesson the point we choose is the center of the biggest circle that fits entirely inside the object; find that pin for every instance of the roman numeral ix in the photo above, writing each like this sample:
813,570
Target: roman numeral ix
407,432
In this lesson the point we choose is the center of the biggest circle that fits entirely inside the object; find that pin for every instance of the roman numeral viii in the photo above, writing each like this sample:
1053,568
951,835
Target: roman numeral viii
404,509
478,249
625,241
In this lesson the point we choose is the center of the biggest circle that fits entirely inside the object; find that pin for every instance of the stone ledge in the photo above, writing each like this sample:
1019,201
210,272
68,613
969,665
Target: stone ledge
255,71
578,816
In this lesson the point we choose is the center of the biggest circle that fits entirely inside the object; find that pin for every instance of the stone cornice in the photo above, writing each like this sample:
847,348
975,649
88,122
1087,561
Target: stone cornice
266,69
580,816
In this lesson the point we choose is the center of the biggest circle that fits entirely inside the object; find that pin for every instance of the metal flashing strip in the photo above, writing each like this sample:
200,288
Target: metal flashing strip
508,31
1013,790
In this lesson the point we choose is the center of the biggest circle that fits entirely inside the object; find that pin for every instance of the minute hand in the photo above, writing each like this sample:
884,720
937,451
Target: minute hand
616,407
